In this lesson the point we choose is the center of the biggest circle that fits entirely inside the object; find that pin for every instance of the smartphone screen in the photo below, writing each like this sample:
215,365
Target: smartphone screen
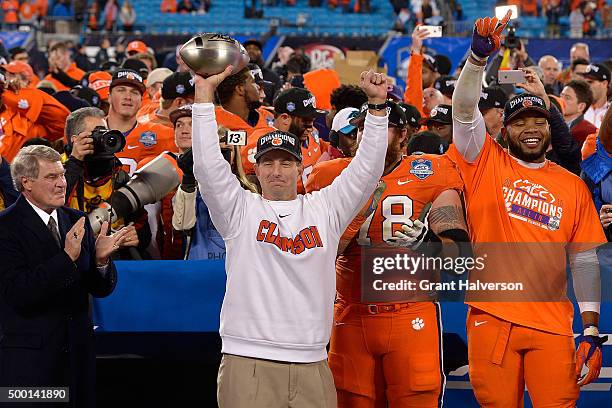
510,76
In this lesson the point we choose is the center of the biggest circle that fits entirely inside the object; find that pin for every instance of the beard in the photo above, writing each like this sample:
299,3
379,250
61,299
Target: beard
252,105
297,130
517,150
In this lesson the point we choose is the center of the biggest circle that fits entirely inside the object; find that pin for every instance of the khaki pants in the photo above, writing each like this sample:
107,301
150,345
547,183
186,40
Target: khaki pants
245,382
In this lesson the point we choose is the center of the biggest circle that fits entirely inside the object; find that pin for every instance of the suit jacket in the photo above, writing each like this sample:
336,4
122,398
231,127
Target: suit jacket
581,129
46,333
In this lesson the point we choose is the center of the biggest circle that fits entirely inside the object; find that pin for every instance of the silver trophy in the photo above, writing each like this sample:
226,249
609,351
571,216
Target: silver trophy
209,54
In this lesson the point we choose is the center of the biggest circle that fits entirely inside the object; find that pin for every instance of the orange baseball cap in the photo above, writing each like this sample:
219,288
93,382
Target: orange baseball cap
19,67
136,47
100,82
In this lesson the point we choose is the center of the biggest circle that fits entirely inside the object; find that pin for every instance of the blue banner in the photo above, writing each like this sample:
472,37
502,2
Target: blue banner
12,39
186,296
397,51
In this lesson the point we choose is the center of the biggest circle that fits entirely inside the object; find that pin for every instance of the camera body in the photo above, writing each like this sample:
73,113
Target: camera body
106,142
512,41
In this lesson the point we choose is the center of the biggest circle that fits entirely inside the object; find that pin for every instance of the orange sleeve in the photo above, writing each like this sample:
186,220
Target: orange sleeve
414,82
453,177
589,146
52,116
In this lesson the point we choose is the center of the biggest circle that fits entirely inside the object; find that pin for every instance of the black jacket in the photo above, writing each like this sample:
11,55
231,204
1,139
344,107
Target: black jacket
565,149
46,333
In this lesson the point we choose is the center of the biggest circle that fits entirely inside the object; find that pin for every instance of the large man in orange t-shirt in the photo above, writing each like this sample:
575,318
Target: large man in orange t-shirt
387,351
536,213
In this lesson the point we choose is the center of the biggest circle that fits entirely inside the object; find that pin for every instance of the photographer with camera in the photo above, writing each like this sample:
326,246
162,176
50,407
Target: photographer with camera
93,173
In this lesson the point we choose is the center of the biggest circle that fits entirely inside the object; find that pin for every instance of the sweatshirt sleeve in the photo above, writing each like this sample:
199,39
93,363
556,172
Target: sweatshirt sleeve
414,83
469,129
350,191
220,189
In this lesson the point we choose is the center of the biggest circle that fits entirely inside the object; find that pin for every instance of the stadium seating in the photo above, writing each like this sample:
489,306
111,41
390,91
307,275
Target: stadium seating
228,16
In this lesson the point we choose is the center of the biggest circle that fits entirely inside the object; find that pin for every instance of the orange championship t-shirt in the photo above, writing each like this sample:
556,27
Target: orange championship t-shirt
525,220
415,182
73,72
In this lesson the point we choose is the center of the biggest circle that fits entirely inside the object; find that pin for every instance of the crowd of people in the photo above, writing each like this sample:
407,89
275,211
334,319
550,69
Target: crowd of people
462,142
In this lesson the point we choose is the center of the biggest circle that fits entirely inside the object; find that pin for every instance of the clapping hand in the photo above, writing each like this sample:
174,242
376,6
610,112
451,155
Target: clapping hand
107,244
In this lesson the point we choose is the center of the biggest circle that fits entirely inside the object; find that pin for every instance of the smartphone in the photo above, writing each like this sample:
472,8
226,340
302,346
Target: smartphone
500,12
434,31
510,76
236,137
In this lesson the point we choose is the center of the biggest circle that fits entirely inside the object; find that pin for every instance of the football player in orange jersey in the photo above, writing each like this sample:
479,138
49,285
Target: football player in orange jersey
515,197
295,110
143,140
239,108
177,90
388,354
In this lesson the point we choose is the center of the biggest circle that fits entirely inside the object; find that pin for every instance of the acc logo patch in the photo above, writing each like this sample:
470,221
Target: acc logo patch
290,106
180,89
421,168
527,103
148,138
433,113
277,141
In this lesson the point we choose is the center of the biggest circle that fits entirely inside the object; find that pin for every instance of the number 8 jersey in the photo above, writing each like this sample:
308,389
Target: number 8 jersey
416,181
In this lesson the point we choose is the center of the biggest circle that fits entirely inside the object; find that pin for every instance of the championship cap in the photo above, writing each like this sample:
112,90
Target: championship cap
524,102
440,114
297,102
279,140
128,77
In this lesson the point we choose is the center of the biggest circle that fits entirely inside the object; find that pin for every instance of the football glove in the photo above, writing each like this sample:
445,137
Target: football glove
414,233
486,35
589,356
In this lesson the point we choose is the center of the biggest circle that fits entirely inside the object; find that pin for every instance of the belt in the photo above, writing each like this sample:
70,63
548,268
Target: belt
374,309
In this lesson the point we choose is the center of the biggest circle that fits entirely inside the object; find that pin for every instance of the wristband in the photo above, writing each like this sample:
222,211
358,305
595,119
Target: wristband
591,330
380,106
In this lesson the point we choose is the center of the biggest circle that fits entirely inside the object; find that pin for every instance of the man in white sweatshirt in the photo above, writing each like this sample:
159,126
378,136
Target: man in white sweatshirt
281,248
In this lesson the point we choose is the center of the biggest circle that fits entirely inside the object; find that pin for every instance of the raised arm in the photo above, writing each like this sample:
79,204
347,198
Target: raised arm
350,191
469,130
414,78
219,187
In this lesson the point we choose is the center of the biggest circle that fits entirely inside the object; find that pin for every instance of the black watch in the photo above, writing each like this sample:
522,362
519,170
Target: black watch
380,106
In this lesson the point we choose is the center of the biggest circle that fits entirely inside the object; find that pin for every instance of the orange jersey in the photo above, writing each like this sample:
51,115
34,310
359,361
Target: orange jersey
146,140
27,114
510,203
147,110
72,71
235,122
415,182
247,152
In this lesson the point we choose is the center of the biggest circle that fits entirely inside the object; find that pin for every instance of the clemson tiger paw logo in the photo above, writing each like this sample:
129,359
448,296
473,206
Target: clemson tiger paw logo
251,154
418,323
